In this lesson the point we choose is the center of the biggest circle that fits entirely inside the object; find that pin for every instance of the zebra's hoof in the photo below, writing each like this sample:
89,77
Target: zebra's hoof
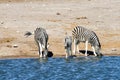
86,54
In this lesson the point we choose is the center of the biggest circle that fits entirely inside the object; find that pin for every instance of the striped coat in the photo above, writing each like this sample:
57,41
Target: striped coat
41,38
68,46
81,34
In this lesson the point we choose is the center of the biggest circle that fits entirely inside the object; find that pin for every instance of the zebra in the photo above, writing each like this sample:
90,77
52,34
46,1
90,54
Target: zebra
68,46
81,34
41,38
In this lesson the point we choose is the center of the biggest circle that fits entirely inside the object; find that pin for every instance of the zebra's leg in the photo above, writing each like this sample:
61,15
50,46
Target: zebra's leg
86,47
40,49
94,51
74,50
78,48
71,51
66,52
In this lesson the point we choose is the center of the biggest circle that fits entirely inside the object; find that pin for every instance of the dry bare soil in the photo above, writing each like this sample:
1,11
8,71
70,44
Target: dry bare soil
57,17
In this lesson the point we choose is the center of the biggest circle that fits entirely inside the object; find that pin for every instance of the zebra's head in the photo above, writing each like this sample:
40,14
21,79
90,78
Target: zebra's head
98,48
97,44
45,50
68,44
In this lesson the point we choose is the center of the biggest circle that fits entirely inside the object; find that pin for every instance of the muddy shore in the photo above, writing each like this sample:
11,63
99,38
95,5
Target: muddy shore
57,17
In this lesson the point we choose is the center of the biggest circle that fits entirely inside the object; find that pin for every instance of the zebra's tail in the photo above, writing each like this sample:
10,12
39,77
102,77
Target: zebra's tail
28,33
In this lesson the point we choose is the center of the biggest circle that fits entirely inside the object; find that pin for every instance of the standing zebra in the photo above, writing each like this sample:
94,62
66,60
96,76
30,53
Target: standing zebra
81,34
41,38
68,46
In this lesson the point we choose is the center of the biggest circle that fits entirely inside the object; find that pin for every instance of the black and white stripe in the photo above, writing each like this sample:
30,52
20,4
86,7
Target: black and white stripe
68,46
81,34
41,38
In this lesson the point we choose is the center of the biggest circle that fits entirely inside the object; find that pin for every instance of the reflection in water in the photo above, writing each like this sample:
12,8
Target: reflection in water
43,59
73,68
83,59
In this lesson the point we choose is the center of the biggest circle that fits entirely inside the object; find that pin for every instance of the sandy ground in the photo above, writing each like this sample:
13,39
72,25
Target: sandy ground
57,17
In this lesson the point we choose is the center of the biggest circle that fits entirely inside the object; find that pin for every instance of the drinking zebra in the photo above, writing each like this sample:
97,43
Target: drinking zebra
68,46
41,38
81,34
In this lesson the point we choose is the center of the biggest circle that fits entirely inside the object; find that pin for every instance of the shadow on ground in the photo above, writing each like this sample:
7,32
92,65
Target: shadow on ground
89,53
50,54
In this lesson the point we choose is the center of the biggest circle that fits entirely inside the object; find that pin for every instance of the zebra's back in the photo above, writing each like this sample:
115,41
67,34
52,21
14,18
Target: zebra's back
41,35
82,34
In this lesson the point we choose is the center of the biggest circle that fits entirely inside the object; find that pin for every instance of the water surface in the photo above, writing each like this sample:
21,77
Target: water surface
82,68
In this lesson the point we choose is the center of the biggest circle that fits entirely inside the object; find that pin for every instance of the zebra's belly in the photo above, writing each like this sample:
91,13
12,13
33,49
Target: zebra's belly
82,40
